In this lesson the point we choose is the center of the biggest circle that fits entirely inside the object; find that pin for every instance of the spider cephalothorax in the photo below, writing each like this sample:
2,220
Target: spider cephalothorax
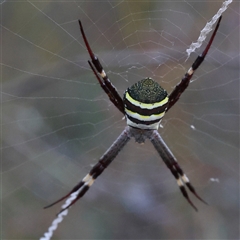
144,104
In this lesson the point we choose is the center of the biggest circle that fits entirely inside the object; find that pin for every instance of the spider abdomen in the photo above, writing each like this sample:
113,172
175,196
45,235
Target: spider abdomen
145,104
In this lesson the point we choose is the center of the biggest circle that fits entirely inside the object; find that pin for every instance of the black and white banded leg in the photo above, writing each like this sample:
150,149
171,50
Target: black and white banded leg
171,162
183,84
97,169
105,83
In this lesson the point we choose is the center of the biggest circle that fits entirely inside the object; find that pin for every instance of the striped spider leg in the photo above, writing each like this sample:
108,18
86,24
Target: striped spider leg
105,83
171,162
180,87
144,105
97,169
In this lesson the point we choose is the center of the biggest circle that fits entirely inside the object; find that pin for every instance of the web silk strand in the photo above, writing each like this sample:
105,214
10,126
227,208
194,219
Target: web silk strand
60,216
207,29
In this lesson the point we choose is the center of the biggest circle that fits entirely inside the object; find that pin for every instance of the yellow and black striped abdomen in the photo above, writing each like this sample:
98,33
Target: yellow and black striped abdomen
145,104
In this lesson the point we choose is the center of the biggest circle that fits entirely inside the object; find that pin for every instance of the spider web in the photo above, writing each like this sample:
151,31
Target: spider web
56,121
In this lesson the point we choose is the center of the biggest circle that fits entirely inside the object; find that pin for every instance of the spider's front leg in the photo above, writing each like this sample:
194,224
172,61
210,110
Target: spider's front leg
171,162
83,186
181,87
102,77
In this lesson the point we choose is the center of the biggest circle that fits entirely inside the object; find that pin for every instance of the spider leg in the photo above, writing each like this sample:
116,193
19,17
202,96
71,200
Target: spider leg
183,84
171,162
83,186
105,83
107,91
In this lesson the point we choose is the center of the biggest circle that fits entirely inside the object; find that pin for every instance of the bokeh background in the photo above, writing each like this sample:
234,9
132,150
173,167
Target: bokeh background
57,121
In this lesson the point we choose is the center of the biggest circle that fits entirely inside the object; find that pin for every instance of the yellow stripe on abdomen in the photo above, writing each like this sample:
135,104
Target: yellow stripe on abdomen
146,105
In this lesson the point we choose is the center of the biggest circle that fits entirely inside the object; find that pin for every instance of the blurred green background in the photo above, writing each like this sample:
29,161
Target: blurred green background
57,121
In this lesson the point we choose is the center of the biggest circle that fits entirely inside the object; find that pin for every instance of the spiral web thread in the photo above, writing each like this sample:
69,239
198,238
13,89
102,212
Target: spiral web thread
208,28
204,32
60,216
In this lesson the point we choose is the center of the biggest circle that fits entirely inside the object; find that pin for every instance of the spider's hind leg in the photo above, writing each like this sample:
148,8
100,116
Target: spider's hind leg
187,182
82,187
171,162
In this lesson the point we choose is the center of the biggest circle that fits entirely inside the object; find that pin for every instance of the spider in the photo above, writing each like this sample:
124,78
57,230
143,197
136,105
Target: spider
143,105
